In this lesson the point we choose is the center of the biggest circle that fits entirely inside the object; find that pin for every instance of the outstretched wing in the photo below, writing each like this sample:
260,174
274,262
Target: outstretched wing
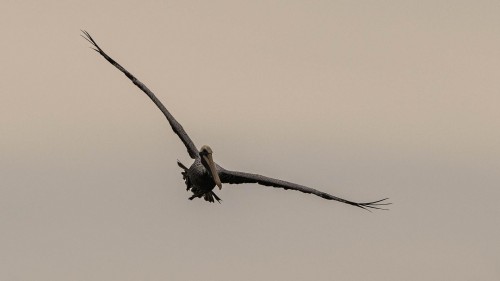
176,127
233,177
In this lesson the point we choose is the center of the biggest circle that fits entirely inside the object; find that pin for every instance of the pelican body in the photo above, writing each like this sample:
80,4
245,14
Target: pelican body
204,174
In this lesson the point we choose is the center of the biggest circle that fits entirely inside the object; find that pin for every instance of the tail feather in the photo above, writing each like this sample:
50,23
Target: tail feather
209,196
216,197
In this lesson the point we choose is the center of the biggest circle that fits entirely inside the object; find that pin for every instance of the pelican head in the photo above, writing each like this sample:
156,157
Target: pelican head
206,157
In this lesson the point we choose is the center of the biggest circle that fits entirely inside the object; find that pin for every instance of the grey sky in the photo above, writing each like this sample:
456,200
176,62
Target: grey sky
364,101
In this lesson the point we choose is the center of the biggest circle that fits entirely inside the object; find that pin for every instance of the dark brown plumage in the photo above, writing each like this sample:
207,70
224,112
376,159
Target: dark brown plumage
204,174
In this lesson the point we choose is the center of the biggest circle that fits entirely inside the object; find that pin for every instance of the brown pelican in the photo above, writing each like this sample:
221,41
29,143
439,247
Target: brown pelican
204,174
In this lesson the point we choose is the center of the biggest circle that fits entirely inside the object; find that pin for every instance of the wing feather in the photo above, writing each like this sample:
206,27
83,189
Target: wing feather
176,127
234,177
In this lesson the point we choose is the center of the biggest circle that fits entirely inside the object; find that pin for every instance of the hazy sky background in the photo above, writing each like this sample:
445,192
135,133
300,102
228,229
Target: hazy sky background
361,99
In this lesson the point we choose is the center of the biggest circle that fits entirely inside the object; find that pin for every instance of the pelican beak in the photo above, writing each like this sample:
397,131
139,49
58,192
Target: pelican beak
213,170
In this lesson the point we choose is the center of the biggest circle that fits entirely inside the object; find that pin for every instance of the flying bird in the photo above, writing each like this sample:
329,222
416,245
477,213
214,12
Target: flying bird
204,174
